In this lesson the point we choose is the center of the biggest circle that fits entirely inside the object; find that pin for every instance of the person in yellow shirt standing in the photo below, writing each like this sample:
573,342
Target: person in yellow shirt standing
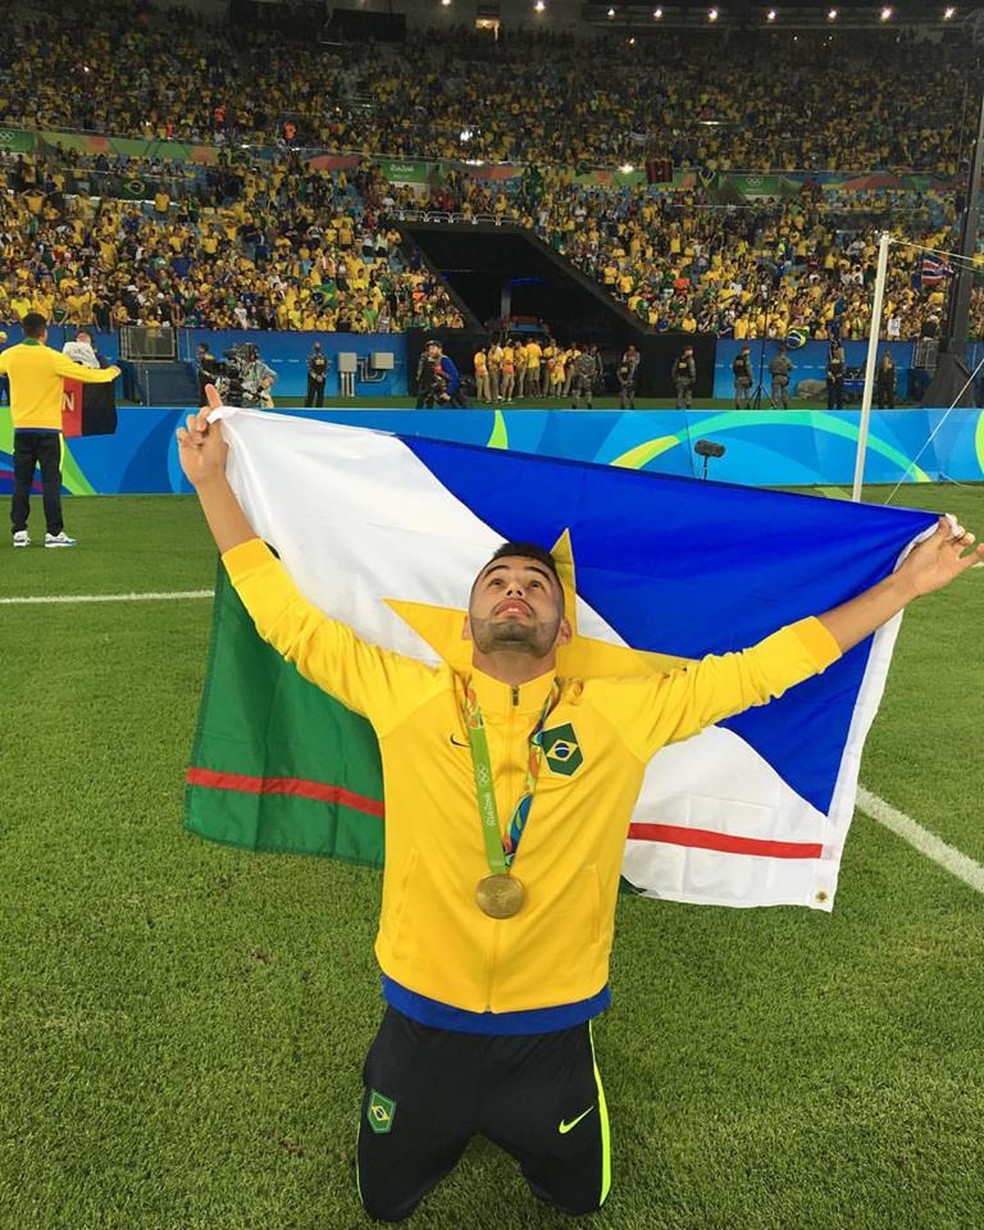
482,390
36,373
534,354
507,369
519,358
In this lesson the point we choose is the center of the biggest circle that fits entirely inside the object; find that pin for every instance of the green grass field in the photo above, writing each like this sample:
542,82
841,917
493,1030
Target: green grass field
182,1026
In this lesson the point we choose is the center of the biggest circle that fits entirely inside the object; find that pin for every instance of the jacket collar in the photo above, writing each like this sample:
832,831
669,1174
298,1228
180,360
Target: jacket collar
503,699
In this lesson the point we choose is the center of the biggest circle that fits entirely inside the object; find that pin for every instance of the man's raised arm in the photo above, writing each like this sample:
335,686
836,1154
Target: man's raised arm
202,452
929,566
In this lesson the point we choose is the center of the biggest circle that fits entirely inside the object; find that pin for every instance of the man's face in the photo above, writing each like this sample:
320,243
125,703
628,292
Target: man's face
516,605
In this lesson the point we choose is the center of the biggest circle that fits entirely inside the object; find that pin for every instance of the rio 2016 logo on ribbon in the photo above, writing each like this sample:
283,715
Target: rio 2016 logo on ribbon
561,750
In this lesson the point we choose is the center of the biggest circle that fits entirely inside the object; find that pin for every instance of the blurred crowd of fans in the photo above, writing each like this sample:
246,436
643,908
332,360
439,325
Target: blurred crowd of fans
841,101
266,242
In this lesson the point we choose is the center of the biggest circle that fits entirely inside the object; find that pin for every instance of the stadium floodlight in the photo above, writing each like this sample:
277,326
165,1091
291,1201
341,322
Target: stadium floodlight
539,6
770,15
712,15
611,12
949,12
632,41
832,15
886,13
657,14
446,4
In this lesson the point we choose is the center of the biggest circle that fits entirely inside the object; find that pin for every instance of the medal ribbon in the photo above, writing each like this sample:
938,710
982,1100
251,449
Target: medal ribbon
502,850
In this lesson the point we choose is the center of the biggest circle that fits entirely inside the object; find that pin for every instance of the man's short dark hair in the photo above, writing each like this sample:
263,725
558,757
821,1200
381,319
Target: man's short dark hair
34,325
528,550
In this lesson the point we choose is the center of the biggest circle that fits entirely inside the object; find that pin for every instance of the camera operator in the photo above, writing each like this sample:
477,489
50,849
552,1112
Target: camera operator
244,379
438,379
258,379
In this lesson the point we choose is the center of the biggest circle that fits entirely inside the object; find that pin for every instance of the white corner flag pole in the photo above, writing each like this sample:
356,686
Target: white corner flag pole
869,371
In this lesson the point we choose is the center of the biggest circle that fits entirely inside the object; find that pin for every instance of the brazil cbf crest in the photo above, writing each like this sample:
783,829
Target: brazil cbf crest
561,750
380,1112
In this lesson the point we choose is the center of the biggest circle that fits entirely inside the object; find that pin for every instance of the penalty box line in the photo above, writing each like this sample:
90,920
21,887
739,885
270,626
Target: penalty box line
927,843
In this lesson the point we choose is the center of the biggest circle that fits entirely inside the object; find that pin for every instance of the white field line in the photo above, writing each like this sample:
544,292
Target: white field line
926,843
174,595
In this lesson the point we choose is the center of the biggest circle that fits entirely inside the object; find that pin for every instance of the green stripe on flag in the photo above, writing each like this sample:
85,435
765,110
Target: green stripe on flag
278,765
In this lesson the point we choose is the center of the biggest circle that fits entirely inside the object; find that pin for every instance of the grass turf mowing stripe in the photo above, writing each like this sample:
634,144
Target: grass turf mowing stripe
921,839
47,599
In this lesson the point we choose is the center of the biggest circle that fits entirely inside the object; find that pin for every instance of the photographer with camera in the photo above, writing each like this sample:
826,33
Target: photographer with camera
438,380
244,379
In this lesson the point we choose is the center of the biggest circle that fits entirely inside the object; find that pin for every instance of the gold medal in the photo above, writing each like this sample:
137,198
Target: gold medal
500,896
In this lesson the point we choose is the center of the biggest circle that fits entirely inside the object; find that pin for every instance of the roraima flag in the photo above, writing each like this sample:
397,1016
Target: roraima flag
386,534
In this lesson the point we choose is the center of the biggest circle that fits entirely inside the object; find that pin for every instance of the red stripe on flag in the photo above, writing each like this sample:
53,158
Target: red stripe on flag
319,792
71,407
725,843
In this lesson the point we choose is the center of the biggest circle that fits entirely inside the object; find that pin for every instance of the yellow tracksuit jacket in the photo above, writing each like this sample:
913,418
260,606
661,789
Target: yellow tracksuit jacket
36,374
433,939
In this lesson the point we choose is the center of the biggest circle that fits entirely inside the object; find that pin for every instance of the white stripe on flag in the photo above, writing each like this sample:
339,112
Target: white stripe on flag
45,599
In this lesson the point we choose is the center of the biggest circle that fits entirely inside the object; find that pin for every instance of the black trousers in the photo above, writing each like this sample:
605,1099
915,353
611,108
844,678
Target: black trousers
428,1091
315,393
32,449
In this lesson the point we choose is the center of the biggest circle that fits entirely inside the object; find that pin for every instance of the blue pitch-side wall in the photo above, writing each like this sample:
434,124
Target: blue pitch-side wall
769,448
287,354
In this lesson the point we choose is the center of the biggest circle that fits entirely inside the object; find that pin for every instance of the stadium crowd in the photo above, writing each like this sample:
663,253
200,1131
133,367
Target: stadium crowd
845,102
288,252
260,240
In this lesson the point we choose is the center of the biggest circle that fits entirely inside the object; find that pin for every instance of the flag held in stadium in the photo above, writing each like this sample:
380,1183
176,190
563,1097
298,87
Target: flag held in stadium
386,533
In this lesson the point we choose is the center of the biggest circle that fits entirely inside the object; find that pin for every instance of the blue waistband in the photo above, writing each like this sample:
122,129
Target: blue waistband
37,431
438,1015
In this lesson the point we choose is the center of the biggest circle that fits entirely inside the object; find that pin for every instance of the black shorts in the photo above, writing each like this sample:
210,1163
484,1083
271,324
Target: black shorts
428,1091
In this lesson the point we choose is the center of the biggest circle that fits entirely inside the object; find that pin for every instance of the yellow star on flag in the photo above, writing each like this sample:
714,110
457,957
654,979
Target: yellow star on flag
584,658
